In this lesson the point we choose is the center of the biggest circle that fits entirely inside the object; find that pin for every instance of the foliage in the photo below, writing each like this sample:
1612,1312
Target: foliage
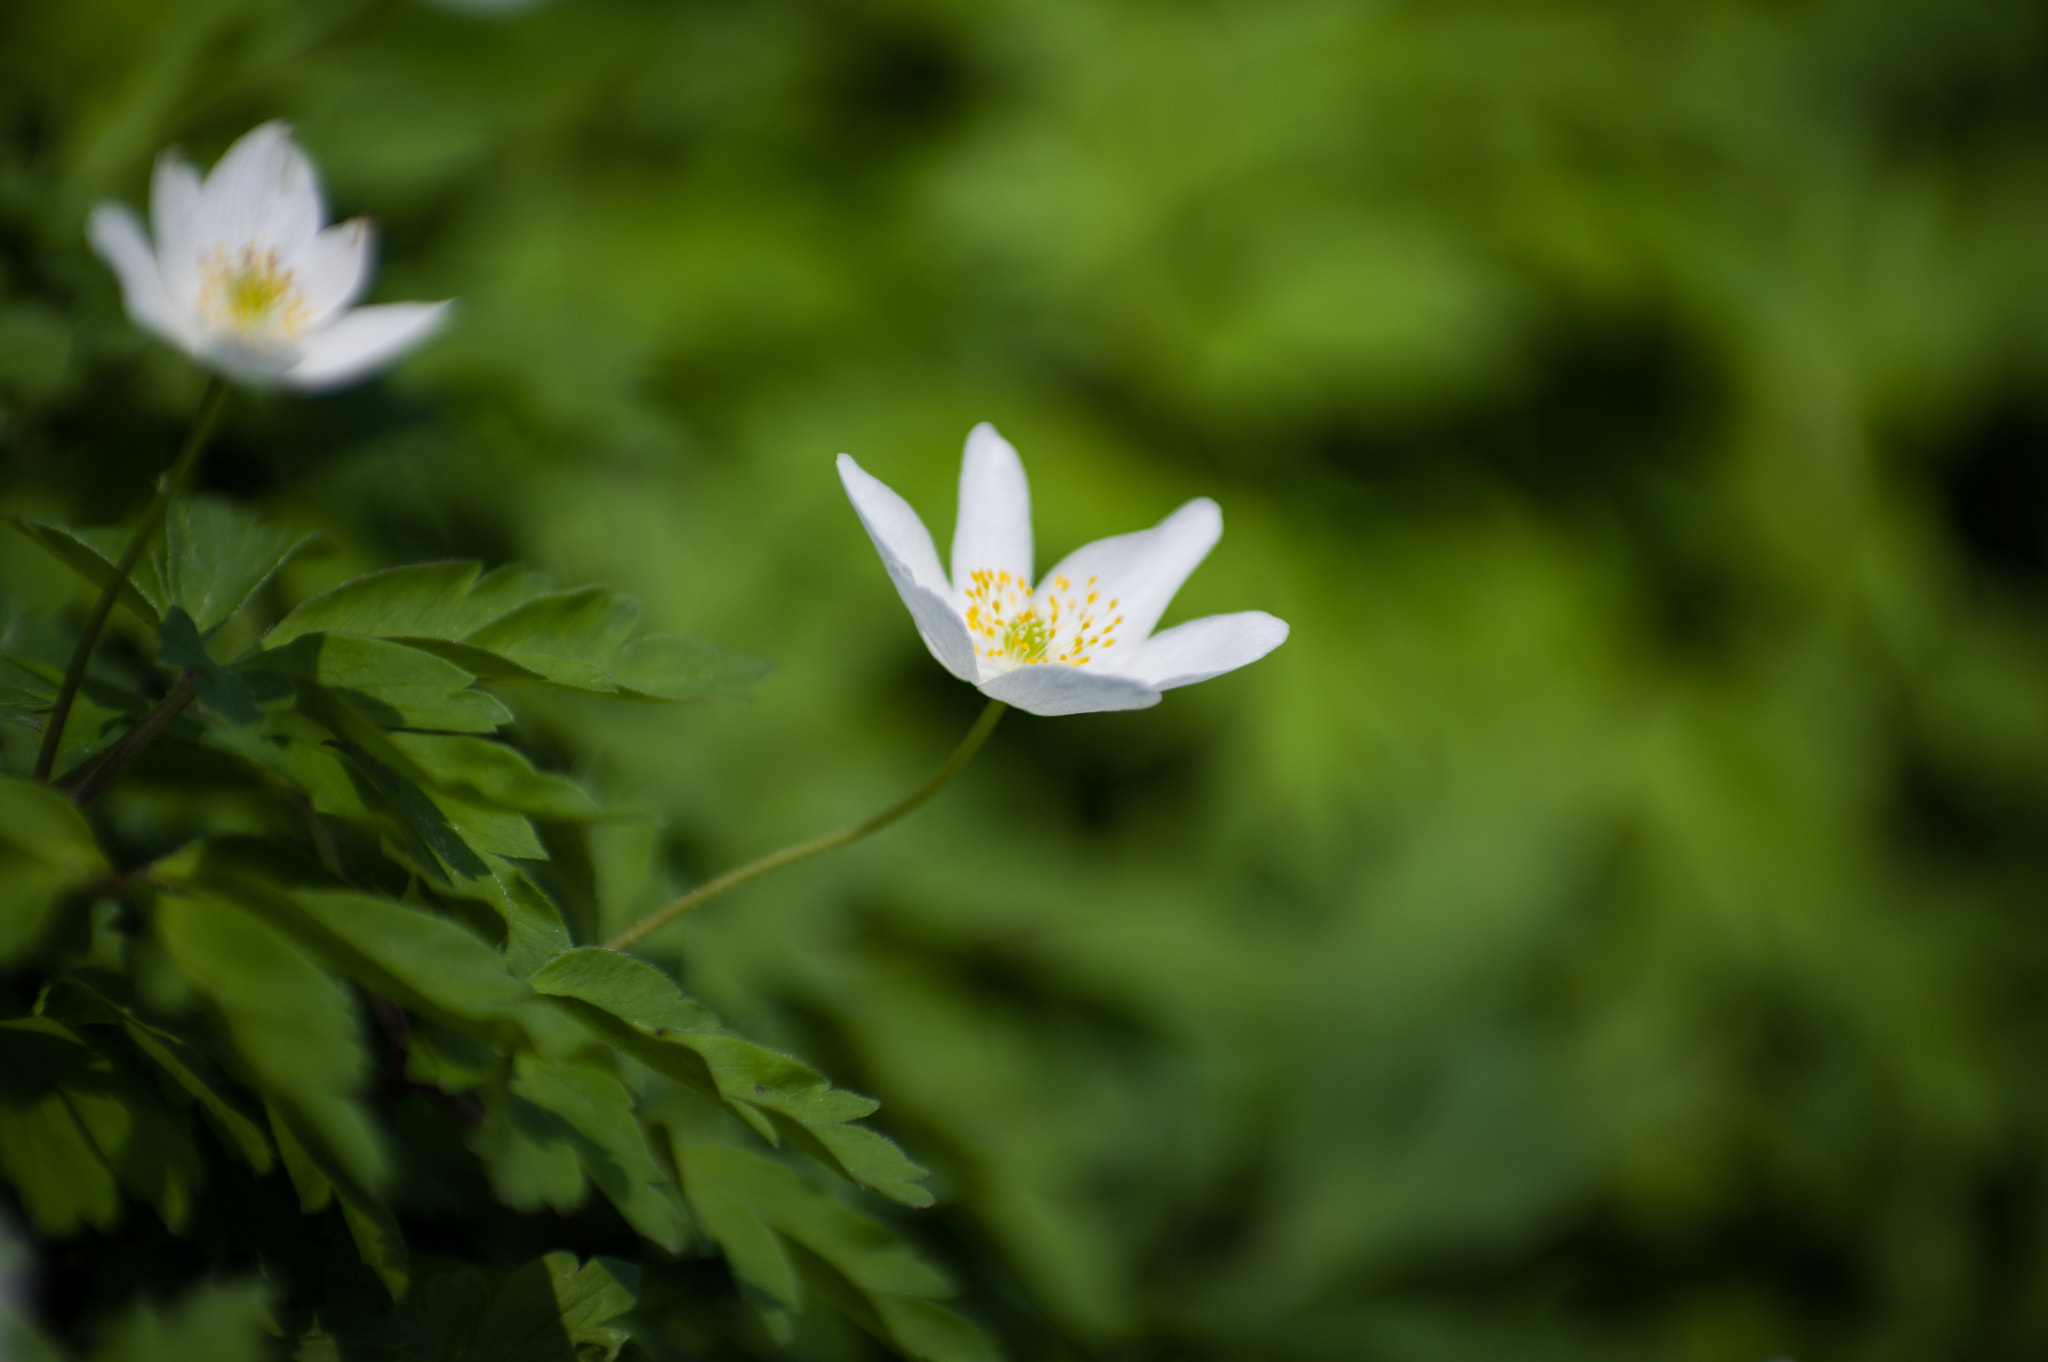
1609,928
199,1017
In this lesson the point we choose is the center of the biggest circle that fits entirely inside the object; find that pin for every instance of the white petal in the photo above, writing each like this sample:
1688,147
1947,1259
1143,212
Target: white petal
117,236
994,529
1052,690
264,193
1143,570
177,216
913,565
361,341
1206,647
332,268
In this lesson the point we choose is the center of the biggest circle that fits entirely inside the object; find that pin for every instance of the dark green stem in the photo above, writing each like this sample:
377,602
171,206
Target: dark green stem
134,742
803,851
152,520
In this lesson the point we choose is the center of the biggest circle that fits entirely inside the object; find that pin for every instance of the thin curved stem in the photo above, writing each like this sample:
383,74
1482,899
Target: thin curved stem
152,519
803,851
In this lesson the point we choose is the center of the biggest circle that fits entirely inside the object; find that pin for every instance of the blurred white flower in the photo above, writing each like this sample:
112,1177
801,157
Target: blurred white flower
246,279
1082,639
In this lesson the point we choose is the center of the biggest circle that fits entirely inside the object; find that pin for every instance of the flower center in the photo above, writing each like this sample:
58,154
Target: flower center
1013,626
251,292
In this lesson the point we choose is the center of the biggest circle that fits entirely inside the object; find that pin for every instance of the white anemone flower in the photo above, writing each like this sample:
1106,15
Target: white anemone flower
244,276
1081,640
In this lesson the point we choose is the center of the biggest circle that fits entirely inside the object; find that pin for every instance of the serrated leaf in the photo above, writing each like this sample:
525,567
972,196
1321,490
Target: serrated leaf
752,1249
529,1154
437,845
100,999
63,1182
625,986
613,1148
510,625
423,961
643,1012
567,637
315,1188
213,1323
424,600
291,1025
664,668
237,696
391,685
148,1146
216,556
772,1225
320,1179
47,850
551,1308
494,773
92,554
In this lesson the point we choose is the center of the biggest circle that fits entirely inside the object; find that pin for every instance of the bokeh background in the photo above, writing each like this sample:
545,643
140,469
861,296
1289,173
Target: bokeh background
1611,927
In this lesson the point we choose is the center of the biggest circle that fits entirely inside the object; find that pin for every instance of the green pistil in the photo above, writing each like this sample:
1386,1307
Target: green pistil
1027,638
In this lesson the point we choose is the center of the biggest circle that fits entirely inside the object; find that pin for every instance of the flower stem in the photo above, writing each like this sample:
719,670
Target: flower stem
803,851
152,519
116,759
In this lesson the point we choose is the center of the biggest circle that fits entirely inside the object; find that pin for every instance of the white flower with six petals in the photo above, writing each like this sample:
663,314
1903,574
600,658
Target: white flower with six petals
1081,640
244,276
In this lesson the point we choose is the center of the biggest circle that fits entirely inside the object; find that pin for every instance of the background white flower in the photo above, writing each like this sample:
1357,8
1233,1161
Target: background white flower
245,279
1082,639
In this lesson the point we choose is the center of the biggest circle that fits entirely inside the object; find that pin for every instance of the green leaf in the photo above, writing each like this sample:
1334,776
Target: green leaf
425,600
772,1225
46,851
213,1323
509,625
493,773
100,999
609,1141
216,557
292,1026
147,1145
315,1188
391,685
63,1181
665,668
92,554
565,637
551,1310
23,707
419,959
237,696
643,1012
320,1179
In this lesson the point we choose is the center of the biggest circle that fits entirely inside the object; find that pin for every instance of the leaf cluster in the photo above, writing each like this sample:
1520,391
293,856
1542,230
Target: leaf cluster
355,977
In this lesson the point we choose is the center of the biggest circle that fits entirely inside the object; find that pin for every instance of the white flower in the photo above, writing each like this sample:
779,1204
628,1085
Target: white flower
246,279
1082,639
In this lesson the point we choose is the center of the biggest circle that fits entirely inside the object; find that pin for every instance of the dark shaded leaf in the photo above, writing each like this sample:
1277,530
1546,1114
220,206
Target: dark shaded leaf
642,1011
550,1309
100,999
237,696
292,1026
92,555
46,851
213,1323
391,685
493,773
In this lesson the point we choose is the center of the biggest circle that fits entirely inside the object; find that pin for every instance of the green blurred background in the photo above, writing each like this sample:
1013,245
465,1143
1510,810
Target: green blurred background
1611,927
